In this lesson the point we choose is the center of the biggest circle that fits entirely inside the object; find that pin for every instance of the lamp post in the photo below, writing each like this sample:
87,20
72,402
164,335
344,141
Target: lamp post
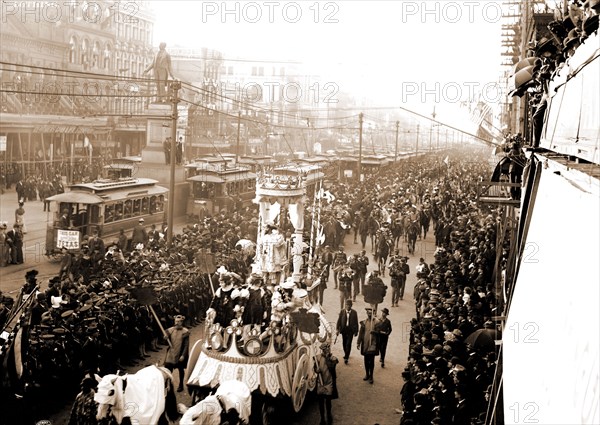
175,86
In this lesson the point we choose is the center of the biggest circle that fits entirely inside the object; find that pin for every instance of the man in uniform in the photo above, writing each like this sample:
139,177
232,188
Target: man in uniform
339,260
345,278
363,262
355,265
177,353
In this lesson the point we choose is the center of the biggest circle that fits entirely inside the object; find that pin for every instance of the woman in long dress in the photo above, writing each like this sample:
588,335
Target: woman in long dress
20,216
3,245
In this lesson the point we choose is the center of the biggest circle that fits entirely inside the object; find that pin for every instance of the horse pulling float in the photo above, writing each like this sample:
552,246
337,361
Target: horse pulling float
275,358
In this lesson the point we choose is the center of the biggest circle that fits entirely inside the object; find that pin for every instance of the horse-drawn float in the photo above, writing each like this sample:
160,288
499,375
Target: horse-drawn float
265,332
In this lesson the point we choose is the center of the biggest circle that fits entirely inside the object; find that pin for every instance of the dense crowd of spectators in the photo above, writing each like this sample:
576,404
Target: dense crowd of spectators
549,54
94,315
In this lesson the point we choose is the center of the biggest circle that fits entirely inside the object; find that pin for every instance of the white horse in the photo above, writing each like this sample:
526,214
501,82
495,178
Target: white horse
142,397
231,403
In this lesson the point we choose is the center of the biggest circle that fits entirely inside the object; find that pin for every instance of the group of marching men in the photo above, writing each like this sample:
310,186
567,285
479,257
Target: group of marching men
97,313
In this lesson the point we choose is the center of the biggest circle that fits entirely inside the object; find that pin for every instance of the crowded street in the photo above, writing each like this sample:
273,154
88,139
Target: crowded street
329,212
352,402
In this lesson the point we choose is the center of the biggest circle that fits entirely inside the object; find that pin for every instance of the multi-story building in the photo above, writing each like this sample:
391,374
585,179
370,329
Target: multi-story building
198,69
65,78
269,100
277,102
525,23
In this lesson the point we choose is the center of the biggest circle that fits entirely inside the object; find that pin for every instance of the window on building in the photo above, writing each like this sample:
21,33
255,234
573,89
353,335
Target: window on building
73,50
107,57
96,55
85,53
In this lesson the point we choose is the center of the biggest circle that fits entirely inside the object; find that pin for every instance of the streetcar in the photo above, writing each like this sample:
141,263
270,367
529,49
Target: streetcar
257,162
122,167
311,174
217,185
105,206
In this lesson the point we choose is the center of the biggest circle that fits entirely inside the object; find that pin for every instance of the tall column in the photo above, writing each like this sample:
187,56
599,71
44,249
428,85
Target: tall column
298,223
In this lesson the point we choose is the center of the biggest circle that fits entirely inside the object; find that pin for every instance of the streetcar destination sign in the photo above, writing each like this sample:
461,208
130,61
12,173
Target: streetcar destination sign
67,239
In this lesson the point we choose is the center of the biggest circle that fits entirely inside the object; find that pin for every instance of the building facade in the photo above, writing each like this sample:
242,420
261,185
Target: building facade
69,74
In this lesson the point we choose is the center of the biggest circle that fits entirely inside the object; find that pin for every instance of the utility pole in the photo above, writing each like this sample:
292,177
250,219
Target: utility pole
430,133
396,154
433,115
175,86
267,135
360,127
417,148
446,138
237,148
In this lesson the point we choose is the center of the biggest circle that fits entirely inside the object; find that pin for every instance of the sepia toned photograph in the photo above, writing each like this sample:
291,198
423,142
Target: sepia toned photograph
299,212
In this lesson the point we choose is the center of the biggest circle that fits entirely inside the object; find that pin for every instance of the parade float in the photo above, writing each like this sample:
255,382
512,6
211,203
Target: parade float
272,352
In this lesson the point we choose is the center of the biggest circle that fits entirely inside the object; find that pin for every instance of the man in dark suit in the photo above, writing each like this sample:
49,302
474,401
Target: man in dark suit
368,343
14,239
384,330
347,325
95,243
139,236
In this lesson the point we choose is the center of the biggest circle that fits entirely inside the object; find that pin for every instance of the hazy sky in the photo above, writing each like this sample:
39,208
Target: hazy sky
393,52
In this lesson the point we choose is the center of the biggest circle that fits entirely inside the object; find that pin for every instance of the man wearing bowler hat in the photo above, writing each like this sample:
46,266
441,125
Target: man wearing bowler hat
384,329
368,343
347,325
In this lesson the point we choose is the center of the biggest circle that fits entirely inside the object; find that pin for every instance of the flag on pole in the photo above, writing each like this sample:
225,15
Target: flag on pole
144,295
446,161
327,195
321,235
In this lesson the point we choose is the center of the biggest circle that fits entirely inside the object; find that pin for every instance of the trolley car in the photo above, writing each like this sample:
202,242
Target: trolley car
310,173
217,185
105,206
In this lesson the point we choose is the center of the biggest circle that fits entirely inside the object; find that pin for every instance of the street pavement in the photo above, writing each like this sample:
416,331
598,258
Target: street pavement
361,403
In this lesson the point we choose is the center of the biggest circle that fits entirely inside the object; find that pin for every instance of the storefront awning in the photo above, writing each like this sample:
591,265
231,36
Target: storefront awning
70,129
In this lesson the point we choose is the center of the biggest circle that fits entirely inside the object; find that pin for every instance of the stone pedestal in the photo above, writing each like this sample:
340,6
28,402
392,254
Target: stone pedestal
153,163
158,129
